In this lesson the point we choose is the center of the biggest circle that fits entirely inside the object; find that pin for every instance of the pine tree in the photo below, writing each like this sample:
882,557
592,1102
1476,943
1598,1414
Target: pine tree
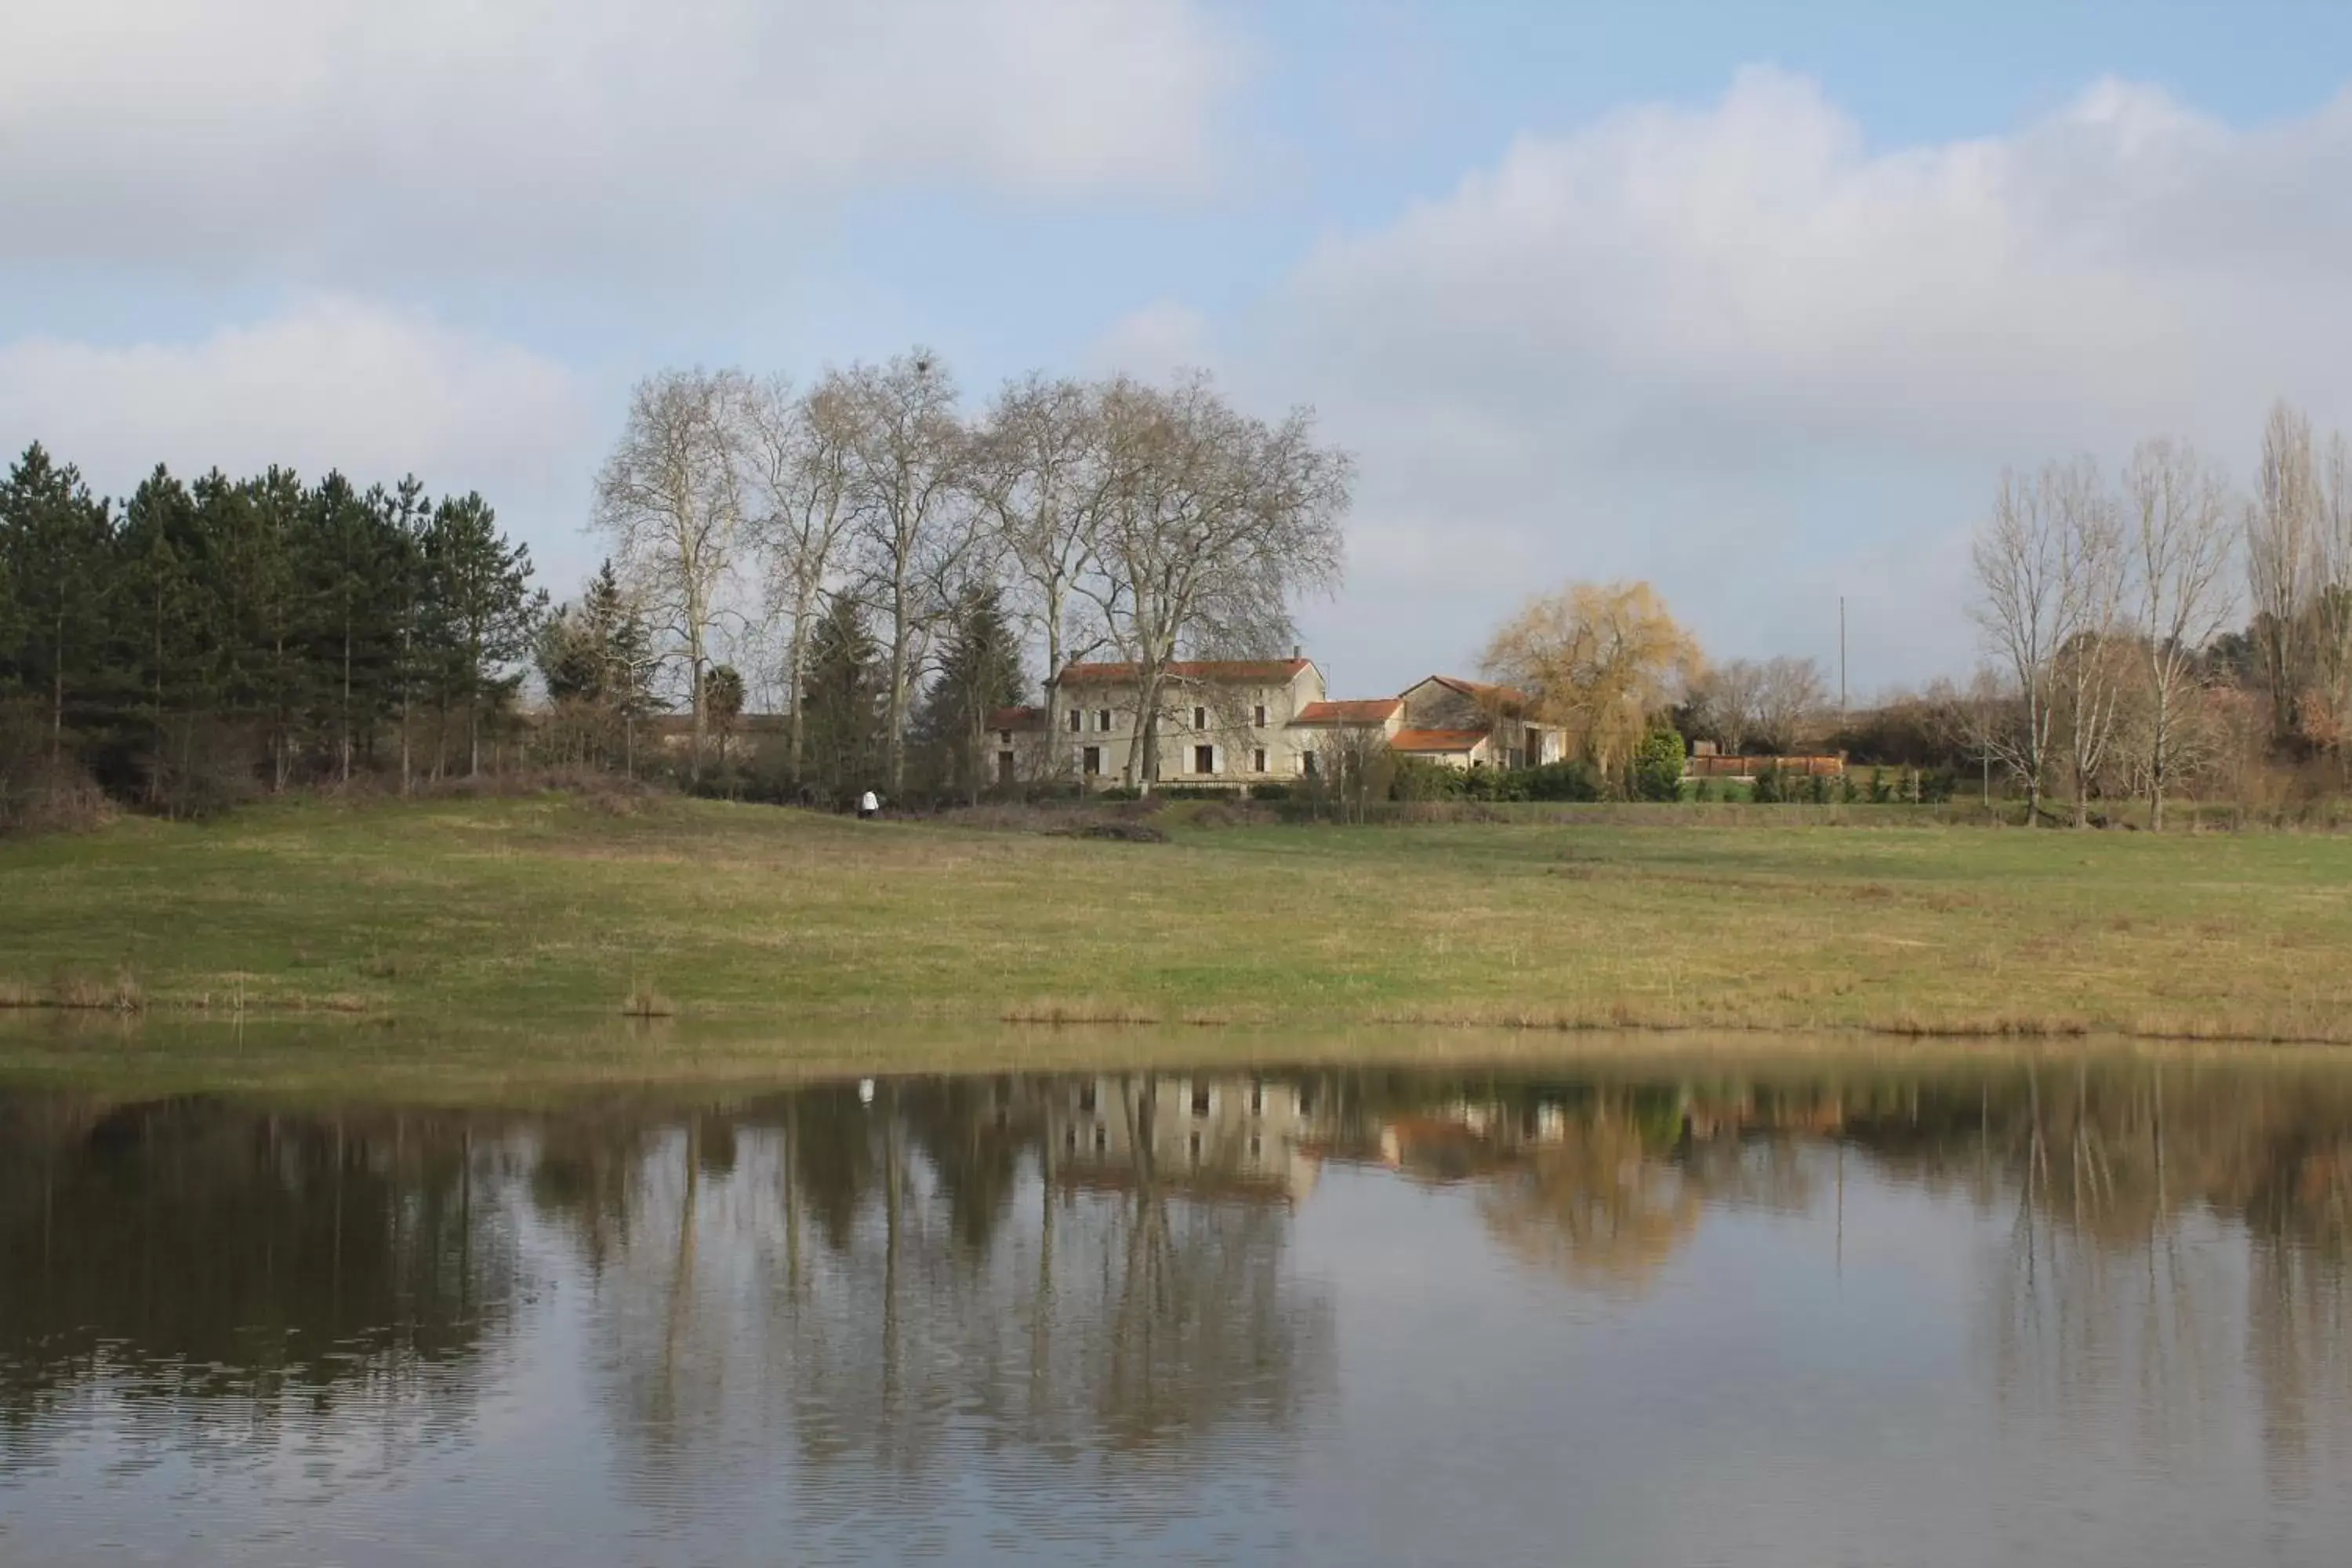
162,622
482,614
845,702
56,542
979,672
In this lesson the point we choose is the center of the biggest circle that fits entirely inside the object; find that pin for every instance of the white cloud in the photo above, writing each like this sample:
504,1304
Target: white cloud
164,133
329,383
1741,351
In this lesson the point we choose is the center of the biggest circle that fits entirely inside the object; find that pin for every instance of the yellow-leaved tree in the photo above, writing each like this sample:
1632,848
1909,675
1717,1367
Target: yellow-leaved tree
1602,660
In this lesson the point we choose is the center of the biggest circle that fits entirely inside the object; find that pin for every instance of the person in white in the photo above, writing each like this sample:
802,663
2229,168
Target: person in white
868,804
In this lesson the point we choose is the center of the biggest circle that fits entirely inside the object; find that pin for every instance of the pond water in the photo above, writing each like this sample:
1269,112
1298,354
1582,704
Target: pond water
1613,1312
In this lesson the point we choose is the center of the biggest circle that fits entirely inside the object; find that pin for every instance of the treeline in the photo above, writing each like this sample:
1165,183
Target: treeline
196,643
875,556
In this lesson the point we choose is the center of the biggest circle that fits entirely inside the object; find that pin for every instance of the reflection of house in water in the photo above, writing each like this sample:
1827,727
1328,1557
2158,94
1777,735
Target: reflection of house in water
1211,1136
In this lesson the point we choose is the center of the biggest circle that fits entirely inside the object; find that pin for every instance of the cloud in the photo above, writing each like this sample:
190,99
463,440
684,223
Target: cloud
1741,351
335,133
331,382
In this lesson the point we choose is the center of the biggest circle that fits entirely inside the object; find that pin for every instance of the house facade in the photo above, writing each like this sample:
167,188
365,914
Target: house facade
1232,723
1222,722
1471,724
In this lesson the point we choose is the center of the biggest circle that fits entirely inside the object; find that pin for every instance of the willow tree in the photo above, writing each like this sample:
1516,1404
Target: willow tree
1599,659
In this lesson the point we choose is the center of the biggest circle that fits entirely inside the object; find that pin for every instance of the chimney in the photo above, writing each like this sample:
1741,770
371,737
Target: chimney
1297,651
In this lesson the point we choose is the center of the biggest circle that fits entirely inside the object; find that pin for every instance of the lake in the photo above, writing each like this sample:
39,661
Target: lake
1947,1311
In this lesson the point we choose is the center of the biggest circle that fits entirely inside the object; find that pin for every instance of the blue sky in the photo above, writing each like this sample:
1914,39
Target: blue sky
1753,300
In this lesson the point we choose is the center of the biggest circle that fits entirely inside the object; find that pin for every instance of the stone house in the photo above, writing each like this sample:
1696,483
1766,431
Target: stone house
1222,723
1471,724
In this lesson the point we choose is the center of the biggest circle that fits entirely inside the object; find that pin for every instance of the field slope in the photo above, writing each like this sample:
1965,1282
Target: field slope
551,909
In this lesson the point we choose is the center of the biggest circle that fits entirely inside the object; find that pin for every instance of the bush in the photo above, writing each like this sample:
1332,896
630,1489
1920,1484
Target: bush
1270,792
1571,781
1658,766
1767,790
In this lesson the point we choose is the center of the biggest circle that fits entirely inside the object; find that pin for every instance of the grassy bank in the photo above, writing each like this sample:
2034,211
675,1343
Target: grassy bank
548,912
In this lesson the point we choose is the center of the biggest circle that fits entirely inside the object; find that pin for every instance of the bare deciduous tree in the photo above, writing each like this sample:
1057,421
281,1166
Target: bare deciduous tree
912,521
1791,695
2281,526
1213,523
669,504
1040,473
1727,697
797,461
2029,608
2180,557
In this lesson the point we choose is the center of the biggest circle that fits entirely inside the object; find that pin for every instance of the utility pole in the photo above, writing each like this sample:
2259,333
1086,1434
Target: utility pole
1841,658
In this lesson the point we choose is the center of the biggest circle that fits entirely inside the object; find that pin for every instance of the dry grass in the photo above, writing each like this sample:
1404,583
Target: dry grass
525,909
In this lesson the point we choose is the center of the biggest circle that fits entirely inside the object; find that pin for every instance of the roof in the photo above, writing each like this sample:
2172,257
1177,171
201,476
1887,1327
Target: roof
1436,739
1015,718
1220,671
1374,711
1504,697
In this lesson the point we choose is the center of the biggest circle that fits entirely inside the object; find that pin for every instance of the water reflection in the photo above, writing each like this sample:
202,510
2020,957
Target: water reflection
1221,1316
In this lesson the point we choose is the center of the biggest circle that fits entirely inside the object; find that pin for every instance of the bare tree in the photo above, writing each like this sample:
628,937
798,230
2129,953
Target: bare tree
2030,608
669,505
2091,665
798,463
1790,694
912,523
1727,697
2180,550
1214,522
2281,526
2332,592
1042,477
1354,762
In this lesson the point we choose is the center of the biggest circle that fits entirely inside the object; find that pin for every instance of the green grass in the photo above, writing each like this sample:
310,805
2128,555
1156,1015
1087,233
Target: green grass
554,914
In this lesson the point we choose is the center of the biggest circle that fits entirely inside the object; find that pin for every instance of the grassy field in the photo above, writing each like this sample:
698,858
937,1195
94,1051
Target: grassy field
549,913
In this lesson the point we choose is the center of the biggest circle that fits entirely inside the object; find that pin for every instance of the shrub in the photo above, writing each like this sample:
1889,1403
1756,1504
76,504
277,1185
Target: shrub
1270,792
1658,766
1572,781
1767,790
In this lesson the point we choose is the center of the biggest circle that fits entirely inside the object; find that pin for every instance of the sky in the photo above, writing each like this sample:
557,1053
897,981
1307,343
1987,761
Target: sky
1754,300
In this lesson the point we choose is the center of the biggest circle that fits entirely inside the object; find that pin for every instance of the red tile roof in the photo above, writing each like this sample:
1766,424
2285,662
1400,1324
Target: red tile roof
1221,671
1436,739
1374,711
1016,719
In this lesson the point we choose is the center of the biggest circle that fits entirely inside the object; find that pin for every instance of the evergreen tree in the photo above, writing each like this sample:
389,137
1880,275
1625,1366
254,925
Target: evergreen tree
55,542
845,702
351,564
482,618
162,626
979,672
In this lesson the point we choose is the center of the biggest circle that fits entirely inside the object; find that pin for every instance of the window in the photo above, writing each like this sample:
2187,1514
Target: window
1309,760
1194,1148
1204,759
1077,720
1004,768
1086,1099
1101,1141
1102,720
1257,1146
1257,1097
1200,718
1257,761
1257,716
1091,763
1004,737
1200,1100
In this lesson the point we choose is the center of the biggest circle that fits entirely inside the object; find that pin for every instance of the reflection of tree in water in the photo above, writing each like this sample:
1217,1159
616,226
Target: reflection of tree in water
226,1268
2173,1227
893,1284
